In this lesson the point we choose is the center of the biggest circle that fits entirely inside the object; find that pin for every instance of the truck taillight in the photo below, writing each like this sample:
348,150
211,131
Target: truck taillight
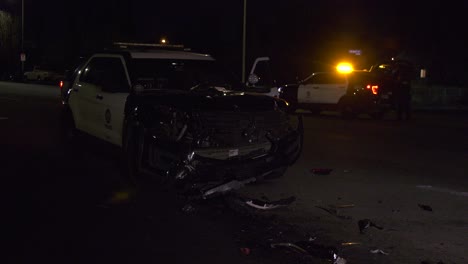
374,88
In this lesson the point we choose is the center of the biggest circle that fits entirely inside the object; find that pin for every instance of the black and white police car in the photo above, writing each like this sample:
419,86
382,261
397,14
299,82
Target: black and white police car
351,94
180,118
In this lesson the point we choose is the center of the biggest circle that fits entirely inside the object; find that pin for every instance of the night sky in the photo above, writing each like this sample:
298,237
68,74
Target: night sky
294,33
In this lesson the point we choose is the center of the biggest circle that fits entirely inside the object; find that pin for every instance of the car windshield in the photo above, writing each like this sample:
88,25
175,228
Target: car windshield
176,74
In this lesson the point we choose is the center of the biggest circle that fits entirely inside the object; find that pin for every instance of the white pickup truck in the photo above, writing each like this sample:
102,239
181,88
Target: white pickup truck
38,74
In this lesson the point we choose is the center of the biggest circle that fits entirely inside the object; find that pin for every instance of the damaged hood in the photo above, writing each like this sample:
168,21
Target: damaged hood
206,100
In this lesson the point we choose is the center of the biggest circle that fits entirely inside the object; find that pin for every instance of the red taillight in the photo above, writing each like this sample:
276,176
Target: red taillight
375,88
61,84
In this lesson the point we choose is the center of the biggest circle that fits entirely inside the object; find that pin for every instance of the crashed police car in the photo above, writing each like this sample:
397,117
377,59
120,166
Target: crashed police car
180,119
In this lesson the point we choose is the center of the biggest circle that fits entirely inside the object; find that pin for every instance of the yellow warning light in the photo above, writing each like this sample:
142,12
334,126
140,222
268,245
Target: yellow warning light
344,67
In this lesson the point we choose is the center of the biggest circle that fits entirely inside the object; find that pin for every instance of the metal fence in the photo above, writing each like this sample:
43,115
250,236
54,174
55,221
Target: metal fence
430,95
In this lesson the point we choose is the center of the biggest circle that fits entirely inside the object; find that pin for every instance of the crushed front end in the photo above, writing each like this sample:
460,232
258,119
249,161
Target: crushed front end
211,152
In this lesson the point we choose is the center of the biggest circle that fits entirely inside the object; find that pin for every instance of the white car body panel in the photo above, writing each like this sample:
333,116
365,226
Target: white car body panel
115,104
325,93
84,106
321,93
89,112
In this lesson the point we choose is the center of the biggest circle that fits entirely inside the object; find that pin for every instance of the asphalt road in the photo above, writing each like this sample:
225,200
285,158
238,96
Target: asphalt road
67,203
71,205
408,177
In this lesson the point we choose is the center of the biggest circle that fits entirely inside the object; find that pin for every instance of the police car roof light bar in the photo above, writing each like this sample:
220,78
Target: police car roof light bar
125,45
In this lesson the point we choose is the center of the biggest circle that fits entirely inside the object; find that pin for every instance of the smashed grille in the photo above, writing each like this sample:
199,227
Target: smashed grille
229,129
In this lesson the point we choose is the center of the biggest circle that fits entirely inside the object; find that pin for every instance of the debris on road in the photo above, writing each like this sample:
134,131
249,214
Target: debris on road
366,223
425,207
188,209
350,243
379,251
319,171
267,205
334,211
444,190
289,246
312,249
338,206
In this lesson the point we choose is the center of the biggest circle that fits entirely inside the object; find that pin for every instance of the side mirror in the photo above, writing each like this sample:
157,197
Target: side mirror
253,79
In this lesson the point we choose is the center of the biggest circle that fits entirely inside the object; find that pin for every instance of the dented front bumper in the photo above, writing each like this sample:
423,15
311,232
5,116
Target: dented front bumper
211,171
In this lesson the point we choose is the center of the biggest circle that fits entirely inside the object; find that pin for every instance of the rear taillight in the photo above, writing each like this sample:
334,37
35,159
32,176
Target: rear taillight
374,88
61,84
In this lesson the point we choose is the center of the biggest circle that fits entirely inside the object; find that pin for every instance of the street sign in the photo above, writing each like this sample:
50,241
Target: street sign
356,52
23,57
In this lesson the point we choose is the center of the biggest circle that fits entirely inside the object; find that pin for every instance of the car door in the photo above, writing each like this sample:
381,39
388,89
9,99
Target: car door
261,78
113,95
304,90
325,88
83,100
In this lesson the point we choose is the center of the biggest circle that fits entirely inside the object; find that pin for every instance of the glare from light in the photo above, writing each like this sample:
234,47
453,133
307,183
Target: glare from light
344,67
163,41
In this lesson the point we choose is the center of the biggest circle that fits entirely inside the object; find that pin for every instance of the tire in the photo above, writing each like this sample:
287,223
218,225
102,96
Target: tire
132,158
68,132
291,109
346,109
347,112
130,154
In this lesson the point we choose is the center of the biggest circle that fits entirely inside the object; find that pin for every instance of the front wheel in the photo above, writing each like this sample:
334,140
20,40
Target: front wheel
68,129
347,112
292,108
131,153
346,108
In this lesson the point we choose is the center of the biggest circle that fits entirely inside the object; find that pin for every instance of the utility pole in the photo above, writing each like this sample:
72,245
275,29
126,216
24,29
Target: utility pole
243,40
22,36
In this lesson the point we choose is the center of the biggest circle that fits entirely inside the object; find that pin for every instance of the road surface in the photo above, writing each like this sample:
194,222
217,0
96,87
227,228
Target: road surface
71,205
